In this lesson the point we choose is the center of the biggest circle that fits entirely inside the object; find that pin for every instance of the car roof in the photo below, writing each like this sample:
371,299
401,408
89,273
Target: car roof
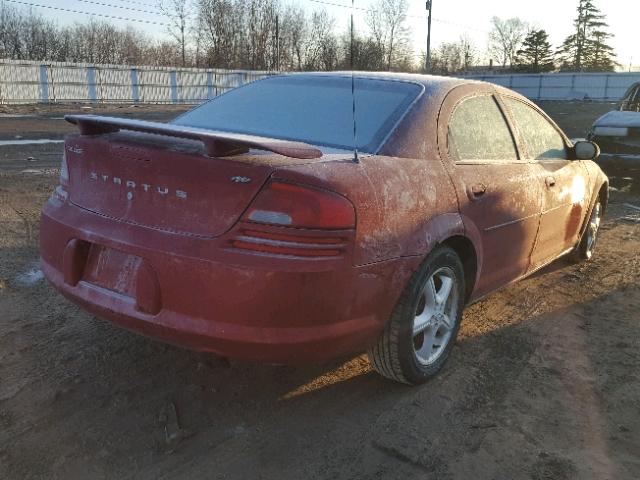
436,86
432,81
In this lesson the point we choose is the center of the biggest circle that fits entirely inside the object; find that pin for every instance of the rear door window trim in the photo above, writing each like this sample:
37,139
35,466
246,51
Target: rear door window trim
516,161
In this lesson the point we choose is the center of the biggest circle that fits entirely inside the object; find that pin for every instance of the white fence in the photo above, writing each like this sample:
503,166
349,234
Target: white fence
566,86
34,82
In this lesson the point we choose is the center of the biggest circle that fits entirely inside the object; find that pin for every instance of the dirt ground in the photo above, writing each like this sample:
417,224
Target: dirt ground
543,384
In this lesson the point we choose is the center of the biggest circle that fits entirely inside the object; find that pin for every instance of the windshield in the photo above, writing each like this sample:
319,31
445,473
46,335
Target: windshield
312,109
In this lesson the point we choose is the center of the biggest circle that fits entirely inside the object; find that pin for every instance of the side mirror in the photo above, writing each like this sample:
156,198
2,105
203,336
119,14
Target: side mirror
585,150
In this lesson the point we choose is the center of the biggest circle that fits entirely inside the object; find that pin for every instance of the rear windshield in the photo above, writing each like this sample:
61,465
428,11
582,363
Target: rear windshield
311,109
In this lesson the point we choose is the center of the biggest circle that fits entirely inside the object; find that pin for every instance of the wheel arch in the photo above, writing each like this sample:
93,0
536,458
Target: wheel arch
603,194
466,251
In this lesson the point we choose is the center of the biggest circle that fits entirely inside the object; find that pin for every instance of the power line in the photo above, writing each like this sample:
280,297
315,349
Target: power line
133,9
421,17
341,5
154,6
104,15
120,6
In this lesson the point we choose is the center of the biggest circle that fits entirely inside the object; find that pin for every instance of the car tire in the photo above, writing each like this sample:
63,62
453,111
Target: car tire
424,324
586,248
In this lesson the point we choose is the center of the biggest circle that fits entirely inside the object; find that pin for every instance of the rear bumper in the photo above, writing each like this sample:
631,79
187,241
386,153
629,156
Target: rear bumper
196,295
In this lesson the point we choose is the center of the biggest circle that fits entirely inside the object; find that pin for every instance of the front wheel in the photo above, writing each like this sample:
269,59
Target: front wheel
424,324
587,246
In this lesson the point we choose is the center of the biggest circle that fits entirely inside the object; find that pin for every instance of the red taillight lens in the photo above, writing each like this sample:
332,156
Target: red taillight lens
300,243
288,204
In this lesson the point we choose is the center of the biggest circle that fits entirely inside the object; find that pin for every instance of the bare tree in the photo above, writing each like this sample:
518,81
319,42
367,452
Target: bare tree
454,57
468,52
223,22
506,38
198,33
262,23
247,34
387,23
293,37
178,12
322,46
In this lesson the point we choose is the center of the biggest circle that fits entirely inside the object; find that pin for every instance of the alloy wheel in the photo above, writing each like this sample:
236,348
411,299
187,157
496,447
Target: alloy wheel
593,228
435,315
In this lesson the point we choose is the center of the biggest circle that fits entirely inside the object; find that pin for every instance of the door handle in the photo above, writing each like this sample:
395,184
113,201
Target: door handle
477,191
550,181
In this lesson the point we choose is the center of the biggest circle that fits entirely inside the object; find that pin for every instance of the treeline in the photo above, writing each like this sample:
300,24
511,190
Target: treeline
515,46
232,34
278,35
26,35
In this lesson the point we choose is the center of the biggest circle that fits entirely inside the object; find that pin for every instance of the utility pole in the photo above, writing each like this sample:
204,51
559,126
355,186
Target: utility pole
277,43
428,63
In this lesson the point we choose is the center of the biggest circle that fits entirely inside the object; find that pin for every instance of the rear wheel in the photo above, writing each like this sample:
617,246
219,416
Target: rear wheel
586,248
424,324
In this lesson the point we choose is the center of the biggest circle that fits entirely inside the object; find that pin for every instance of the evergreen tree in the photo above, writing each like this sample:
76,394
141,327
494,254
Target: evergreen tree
535,55
587,49
601,55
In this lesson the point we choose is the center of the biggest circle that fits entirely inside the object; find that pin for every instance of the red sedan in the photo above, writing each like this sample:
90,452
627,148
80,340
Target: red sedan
263,225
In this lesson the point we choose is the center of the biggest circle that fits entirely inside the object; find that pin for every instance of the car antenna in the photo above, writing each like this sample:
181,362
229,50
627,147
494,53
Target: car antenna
356,159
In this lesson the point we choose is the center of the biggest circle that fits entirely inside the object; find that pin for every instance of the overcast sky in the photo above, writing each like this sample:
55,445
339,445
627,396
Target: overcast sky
451,18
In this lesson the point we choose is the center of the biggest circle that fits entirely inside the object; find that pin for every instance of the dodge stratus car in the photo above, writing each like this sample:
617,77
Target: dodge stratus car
263,225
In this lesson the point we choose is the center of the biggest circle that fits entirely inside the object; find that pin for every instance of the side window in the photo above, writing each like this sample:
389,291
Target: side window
633,103
542,139
479,131
625,103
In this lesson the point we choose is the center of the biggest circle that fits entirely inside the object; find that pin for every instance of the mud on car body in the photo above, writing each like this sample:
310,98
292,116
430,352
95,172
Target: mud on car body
249,228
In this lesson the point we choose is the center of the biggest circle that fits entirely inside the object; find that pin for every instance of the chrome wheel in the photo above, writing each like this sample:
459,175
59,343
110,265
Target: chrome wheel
592,229
435,316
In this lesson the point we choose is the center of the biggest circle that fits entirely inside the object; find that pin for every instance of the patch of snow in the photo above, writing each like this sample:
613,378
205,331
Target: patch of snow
634,207
28,142
30,277
15,115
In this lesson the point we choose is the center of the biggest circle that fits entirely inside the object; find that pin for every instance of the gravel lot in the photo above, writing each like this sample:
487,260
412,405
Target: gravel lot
544,381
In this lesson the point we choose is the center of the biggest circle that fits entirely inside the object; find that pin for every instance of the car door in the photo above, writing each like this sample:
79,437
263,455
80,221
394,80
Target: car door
498,198
563,181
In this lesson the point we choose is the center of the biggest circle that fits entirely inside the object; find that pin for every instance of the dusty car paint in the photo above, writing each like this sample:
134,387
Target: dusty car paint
174,265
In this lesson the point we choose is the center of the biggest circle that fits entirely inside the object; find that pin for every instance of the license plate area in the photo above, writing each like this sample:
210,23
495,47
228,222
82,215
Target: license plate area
112,269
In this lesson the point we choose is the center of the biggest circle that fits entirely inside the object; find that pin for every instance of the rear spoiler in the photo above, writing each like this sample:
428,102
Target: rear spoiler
217,144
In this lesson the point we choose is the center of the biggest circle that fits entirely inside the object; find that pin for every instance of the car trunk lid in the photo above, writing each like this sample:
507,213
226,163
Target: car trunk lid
164,183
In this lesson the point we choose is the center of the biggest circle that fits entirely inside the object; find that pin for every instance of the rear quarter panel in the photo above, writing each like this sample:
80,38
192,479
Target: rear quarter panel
404,199
597,179
403,206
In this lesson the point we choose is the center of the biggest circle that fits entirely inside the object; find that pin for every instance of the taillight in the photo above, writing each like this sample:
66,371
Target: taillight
292,205
64,171
296,244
